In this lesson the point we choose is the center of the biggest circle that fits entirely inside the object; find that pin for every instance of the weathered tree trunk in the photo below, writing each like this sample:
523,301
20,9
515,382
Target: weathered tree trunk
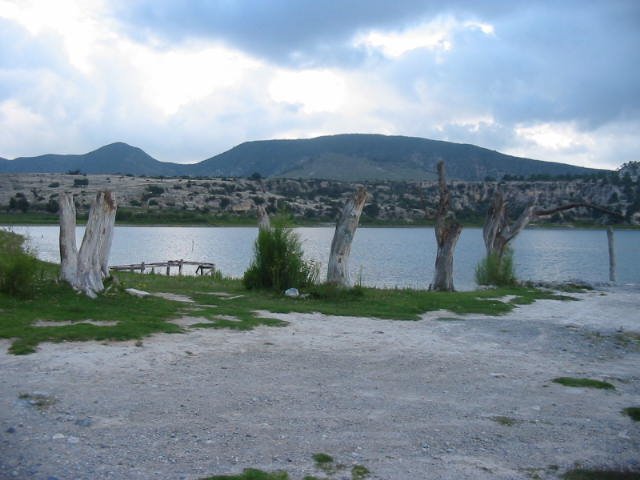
263,218
68,249
86,268
612,255
447,230
338,268
497,231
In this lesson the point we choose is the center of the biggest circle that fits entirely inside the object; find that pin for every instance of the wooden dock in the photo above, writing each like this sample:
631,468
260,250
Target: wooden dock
203,268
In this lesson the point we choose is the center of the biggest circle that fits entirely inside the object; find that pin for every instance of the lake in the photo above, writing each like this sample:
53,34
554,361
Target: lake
385,257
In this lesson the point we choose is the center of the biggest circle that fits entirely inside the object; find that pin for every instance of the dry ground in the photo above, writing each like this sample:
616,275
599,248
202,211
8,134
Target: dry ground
441,398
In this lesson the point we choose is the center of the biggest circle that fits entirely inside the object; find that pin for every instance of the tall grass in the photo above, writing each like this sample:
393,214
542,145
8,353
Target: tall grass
278,261
18,266
493,270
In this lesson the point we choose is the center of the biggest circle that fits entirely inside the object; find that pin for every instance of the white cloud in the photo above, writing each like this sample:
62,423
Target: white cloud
436,35
314,90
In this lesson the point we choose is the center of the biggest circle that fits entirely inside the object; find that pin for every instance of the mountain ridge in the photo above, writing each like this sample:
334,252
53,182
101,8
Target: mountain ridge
348,157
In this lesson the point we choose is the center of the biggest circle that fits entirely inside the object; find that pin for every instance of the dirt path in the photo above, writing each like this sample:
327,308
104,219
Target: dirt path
436,399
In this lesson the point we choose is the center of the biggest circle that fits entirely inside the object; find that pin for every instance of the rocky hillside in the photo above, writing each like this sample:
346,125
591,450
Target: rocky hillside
353,157
314,200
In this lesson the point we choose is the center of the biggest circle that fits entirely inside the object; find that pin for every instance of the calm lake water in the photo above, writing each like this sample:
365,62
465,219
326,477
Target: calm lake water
388,257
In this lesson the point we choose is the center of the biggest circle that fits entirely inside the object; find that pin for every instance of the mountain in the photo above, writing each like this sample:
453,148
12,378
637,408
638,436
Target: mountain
114,158
348,157
373,157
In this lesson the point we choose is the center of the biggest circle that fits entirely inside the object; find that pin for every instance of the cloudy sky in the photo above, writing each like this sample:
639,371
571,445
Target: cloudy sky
184,80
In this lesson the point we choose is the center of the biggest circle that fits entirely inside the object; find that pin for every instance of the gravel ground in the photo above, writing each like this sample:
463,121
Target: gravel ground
441,398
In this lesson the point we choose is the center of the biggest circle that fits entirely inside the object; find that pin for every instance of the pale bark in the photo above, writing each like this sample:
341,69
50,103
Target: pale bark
497,231
68,249
263,218
86,268
338,268
447,230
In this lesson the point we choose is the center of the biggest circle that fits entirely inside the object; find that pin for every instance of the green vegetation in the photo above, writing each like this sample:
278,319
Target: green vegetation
493,270
583,382
18,268
580,474
251,474
322,458
633,412
359,472
55,313
278,263
506,421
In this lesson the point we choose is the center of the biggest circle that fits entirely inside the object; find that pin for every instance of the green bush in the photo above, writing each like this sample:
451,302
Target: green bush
492,270
18,268
278,261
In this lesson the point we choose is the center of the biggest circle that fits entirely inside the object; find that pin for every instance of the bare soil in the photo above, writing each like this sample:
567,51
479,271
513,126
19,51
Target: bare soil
446,397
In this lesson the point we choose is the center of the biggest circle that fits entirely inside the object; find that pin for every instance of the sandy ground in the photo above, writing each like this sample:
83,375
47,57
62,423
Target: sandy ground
408,400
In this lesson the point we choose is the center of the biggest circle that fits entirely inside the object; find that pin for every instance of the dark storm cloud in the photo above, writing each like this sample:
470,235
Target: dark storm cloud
286,31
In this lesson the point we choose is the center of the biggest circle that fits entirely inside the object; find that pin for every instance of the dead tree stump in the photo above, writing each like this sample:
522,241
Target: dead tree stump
447,230
497,232
85,269
338,268
263,218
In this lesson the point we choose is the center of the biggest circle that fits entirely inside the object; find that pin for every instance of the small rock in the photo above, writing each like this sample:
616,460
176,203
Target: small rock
58,436
292,292
136,293
73,440
10,430
84,422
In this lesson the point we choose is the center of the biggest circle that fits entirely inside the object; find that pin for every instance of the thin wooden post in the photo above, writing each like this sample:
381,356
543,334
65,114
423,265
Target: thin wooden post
180,268
612,255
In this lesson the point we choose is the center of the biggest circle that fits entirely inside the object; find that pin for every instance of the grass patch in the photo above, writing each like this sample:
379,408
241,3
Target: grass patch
252,474
38,400
506,421
633,412
580,474
583,383
359,472
322,458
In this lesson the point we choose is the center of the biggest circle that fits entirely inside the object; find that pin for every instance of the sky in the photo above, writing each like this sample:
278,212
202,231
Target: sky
185,80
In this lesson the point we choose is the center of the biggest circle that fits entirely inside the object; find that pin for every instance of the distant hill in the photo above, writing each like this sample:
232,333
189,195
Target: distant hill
373,157
113,158
346,157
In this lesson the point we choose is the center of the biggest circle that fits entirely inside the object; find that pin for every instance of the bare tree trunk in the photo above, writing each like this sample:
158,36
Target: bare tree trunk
497,232
68,249
338,268
447,230
263,219
612,255
86,268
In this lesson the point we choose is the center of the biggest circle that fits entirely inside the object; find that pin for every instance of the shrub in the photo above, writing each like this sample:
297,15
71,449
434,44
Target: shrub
80,182
18,267
278,263
495,271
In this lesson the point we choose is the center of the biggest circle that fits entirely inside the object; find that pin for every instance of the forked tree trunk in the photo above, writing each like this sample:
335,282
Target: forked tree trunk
497,231
447,230
84,270
263,218
338,268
